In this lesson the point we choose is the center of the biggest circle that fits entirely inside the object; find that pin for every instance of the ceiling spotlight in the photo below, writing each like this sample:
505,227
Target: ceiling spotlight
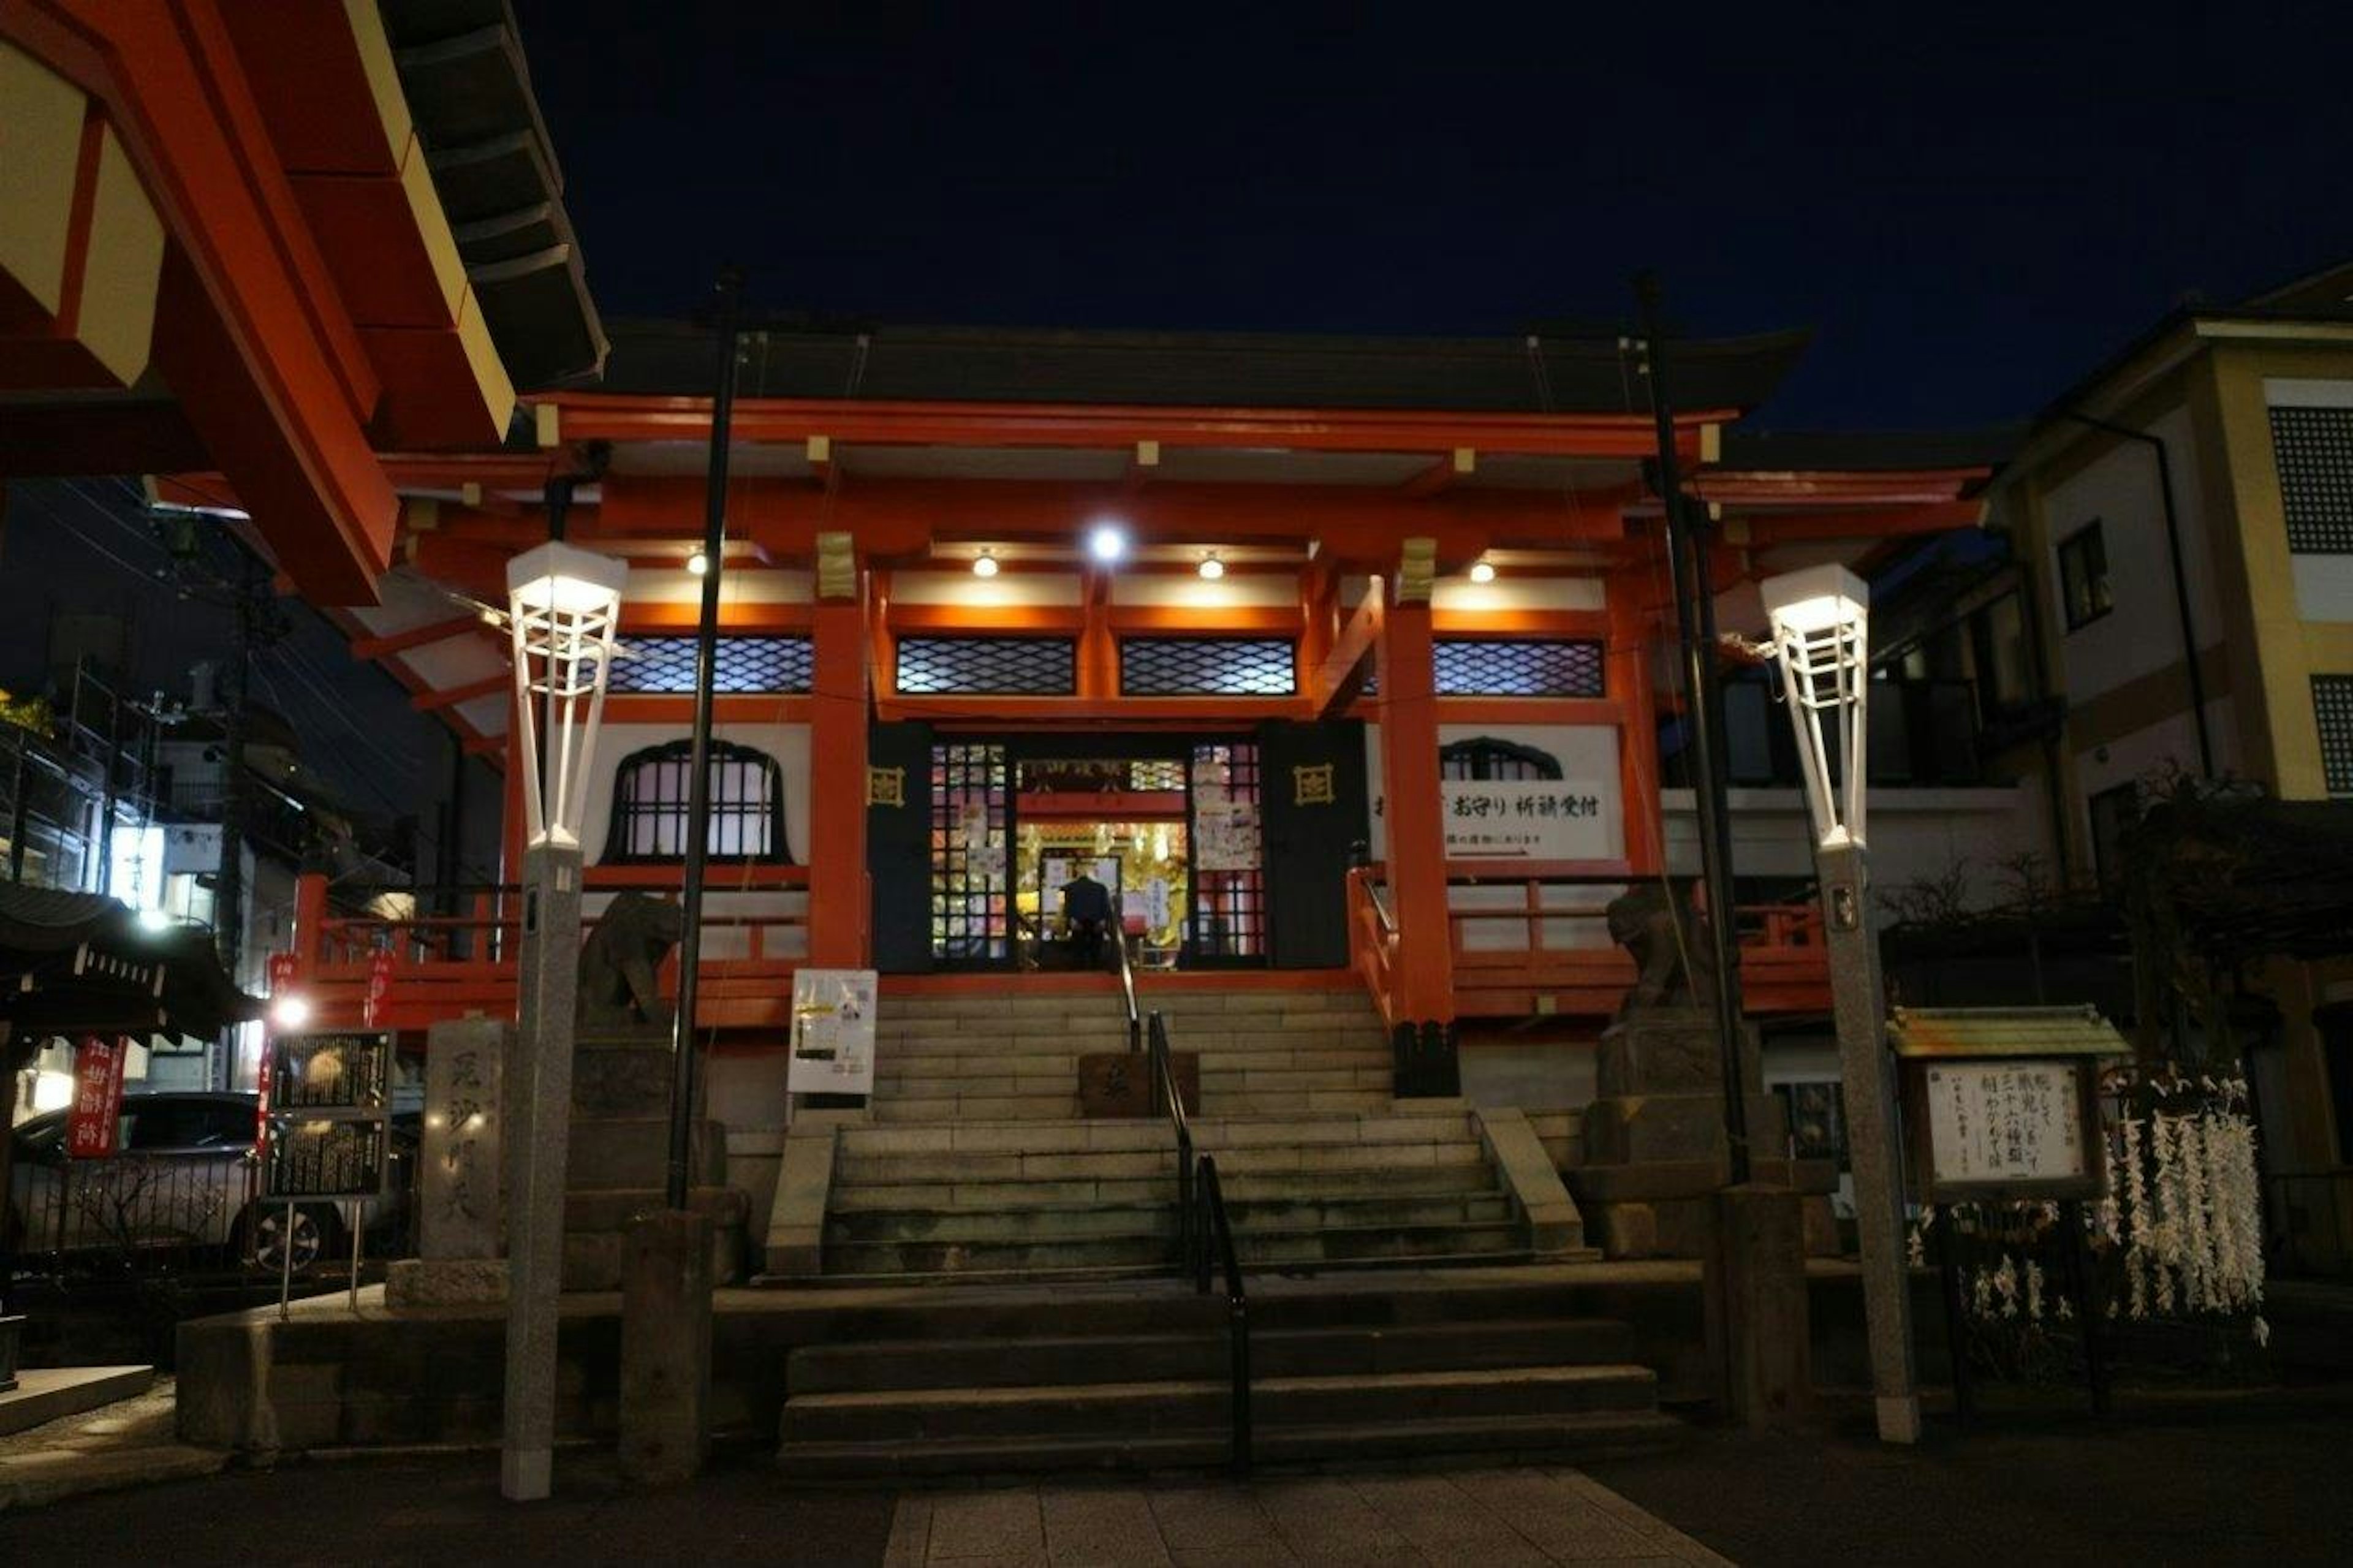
698,563
1212,568
1482,571
1107,542
983,565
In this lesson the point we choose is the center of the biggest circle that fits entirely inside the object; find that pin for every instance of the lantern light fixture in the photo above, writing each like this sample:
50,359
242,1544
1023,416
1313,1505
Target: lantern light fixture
985,563
1821,620
1107,542
563,603
1482,570
1211,568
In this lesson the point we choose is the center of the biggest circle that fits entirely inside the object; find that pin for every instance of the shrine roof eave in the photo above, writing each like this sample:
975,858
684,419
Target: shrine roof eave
1541,373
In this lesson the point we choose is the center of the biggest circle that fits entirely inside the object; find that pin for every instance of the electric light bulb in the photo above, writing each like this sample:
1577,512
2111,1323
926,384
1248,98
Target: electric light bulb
1212,567
1482,571
985,565
698,563
1107,542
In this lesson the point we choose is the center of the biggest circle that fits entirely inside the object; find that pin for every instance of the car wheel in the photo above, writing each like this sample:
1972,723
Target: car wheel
273,1238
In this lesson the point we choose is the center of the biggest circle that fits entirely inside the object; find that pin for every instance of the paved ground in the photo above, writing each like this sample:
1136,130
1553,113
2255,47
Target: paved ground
130,1442
2185,1479
1496,1519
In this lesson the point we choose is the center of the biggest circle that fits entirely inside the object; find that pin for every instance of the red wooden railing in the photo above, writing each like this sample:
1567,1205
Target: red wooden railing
1536,941
445,966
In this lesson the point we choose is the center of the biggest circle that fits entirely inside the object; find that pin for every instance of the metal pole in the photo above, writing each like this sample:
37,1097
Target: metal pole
1874,1151
1695,631
698,797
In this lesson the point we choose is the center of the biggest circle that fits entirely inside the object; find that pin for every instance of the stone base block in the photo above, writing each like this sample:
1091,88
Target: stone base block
622,1075
1753,1280
1670,1051
444,1281
666,1348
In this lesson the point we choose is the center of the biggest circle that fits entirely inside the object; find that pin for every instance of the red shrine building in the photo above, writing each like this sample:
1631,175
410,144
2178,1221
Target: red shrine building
1338,662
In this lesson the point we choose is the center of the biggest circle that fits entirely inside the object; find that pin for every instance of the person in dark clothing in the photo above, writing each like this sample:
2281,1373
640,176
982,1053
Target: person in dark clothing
1086,915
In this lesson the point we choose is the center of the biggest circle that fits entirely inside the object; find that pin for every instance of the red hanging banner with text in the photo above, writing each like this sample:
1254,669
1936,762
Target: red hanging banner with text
97,1111
379,987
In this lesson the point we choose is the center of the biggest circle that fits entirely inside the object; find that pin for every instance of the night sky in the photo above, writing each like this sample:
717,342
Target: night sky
1971,203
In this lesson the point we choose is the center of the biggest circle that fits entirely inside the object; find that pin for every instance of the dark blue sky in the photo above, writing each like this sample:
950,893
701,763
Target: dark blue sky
1972,204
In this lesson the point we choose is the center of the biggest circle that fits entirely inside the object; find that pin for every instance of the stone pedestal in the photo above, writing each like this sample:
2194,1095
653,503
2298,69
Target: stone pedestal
1655,1150
666,1348
460,1176
1754,1282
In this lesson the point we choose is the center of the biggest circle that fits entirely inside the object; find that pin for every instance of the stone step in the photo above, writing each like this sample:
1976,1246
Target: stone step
977,1106
1011,1258
1026,1065
1112,1165
1143,1133
1240,1187
954,1039
930,1414
992,1363
1017,1001
1027,1222
1290,1102
1554,1440
1381,1243
1307,1210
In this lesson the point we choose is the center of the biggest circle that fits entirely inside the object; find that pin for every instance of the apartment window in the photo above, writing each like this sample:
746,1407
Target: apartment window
2084,575
2313,448
649,806
2332,710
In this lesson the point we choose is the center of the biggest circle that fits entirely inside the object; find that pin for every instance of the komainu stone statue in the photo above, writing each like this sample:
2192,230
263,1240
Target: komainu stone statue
620,958
1675,961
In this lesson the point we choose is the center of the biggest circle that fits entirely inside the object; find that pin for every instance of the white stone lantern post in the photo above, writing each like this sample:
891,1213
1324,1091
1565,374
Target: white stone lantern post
1822,618
563,603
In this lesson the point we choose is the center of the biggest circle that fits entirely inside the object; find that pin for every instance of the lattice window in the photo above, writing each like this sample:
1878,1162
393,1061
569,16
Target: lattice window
987,667
971,883
2313,450
1485,757
742,666
1207,666
2332,708
649,806
1155,776
1228,917
1493,667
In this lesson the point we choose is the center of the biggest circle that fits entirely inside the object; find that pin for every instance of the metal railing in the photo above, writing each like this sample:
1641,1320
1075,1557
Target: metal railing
1128,992
1205,1232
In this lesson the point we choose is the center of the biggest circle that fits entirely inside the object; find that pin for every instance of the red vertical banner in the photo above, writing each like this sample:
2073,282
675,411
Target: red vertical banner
91,1125
379,987
282,974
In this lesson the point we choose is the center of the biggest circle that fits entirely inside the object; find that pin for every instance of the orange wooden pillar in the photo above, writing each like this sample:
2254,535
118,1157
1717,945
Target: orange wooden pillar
839,903
1627,676
1422,1001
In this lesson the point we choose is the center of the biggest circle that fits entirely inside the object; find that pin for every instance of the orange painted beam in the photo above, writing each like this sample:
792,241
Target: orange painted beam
1626,678
1871,523
1341,675
1421,979
654,617
621,416
1011,618
1206,620
1520,623
840,905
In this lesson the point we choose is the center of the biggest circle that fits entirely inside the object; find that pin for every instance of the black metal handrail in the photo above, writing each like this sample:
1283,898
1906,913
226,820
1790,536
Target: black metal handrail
1213,1225
1202,1226
1128,992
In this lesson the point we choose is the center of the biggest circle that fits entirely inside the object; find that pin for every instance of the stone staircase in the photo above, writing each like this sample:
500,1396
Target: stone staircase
1135,1377
978,1165
1013,1057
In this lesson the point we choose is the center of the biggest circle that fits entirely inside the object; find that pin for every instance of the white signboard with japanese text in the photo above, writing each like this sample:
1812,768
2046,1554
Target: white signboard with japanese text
1528,820
2005,1122
833,1032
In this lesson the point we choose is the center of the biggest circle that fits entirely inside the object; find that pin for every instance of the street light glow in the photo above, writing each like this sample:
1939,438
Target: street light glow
290,1011
1211,568
1821,620
564,605
1107,542
698,563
